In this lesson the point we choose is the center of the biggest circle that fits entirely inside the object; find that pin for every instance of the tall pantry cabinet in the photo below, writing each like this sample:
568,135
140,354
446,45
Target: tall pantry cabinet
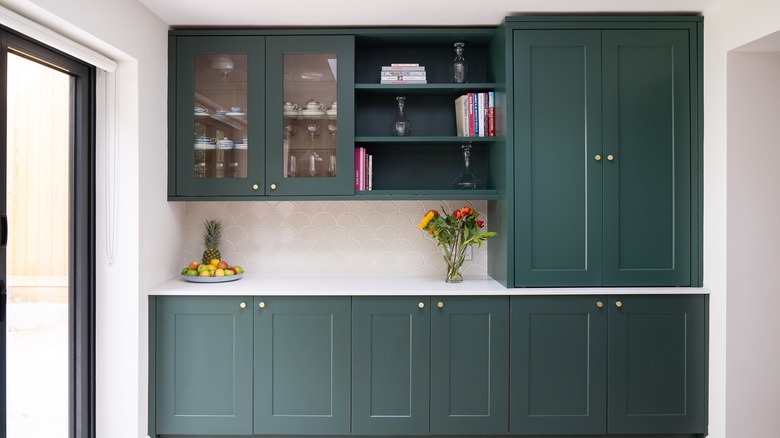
606,151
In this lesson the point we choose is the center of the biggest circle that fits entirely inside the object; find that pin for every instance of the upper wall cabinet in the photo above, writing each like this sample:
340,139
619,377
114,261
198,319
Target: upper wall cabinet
257,115
606,153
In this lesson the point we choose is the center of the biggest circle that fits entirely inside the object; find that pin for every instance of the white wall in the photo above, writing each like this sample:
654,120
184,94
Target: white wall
148,226
753,356
729,25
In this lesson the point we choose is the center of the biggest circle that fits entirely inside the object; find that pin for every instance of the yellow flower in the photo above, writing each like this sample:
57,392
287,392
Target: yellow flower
426,219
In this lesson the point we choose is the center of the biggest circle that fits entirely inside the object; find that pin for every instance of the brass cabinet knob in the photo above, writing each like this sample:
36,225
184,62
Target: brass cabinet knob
421,305
618,304
273,186
261,305
255,186
610,157
440,304
599,304
597,157
242,305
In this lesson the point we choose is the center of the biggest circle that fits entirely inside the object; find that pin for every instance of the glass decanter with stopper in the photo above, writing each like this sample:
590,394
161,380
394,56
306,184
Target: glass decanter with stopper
460,68
466,179
402,127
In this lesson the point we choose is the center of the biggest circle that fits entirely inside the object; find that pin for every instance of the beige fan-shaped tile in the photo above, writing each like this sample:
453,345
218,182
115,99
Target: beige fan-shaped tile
349,270
348,220
323,220
311,259
247,220
472,269
285,234
360,207
297,247
374,220
298,220
425,270
361,259
398,270
385,208
336,260
400,247
323,246
261,235
400,220
373,270
387,259
424,246
411,233
260,209
234,233
335,208
309,208
386,233
310,233
272,220
412,261
361,233
322,270
348,246
373,246
247,246
285,208
336,233
236,258
236,208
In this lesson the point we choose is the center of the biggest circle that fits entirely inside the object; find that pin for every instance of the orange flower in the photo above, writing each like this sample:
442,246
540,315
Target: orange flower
465,211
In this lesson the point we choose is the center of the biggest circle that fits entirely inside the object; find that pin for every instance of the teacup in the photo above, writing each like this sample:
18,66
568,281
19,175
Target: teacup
236,109
333,106
225,144
205,140
289,106
313,105
200,110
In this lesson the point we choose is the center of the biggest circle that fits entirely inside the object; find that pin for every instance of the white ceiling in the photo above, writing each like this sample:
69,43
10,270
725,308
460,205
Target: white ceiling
313,13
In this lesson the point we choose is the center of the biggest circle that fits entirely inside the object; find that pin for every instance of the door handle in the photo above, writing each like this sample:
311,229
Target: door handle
3,230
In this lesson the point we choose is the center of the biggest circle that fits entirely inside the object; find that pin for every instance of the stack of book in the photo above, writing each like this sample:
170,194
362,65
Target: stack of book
364,170
403,74
475,115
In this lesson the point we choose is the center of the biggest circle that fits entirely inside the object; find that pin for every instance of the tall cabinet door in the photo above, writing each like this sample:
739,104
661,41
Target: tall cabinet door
310,150
390,365
302,349
558,356
657,364
469,365
204,365
647,139
557,103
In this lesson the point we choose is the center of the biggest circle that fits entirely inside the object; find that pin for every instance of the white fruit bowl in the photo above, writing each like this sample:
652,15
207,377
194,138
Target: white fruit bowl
196,279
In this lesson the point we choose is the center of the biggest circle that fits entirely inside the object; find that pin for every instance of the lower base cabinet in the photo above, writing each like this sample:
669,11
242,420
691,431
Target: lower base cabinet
203,365
591,366
608,365
429,365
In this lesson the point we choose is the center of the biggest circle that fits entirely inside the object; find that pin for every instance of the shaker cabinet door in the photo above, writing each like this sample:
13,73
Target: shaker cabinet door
469,365
557,171
301,362
204,365
657,364
390,365
647,132
558,365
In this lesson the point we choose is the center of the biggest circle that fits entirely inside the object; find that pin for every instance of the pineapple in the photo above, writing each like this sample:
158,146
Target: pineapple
211,238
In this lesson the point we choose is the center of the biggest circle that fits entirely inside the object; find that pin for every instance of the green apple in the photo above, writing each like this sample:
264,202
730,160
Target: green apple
184,271
191,273
202,267
239,269
229,272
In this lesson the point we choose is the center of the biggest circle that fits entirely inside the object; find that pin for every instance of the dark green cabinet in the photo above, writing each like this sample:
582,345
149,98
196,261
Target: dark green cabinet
301,365
469,365
423,365
608,365
203,365
606,154
230,136
390,365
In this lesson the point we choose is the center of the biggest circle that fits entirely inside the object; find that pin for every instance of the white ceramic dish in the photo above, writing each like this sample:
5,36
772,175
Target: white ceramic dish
313,112
235,114
290,113
195,279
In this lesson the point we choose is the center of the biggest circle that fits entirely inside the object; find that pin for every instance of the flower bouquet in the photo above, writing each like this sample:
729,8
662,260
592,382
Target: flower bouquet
454,232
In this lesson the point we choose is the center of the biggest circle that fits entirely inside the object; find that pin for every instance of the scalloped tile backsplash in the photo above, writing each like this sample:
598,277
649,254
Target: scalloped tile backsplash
327,237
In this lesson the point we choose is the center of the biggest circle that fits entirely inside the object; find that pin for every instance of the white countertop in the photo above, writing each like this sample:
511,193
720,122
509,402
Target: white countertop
334,285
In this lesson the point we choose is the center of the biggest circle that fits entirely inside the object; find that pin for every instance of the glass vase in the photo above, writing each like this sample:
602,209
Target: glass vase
460,68
466,179
402,127
454,256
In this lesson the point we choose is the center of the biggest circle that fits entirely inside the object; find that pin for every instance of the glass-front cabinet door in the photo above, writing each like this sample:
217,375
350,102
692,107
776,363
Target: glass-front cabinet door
309,115
219,116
